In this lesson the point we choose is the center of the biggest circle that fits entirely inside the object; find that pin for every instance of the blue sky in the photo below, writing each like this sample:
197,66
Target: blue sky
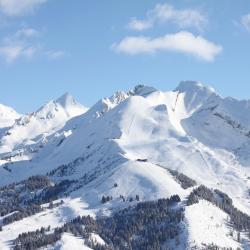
92,48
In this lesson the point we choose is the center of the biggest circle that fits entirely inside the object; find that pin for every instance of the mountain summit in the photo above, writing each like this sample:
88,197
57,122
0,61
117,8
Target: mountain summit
193,86
36,125
7,116
65,105
70,105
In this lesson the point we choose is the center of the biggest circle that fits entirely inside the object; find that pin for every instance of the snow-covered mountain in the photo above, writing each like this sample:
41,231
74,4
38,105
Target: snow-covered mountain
36,126
135,146
7,116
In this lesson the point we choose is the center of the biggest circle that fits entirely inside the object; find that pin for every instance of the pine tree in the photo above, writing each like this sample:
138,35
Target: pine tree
238,236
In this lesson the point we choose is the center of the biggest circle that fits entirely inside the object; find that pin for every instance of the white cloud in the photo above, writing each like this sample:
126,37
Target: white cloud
164,13
21,36
19,7
245,20
23,44
183,18
13,52
18,45
139,25
183,42
27,33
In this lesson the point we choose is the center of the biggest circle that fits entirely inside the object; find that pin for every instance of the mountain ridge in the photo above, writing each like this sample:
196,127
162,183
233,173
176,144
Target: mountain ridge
136,146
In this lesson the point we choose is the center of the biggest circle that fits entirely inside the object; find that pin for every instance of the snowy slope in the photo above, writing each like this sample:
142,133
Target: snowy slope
131,139
7,116
208,224
35,127
69,241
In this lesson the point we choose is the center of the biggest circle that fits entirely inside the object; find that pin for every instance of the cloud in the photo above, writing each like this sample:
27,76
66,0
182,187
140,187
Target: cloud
55,54
139,25
27,33
13,52
19,7
183,42
24,44
245,21
165,13
19,45
183,18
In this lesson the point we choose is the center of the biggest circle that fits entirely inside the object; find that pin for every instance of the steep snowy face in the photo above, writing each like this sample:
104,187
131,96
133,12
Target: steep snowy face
64,106
141,121
106,104
70,105
195,95
33,127
236,110
7,116
223,118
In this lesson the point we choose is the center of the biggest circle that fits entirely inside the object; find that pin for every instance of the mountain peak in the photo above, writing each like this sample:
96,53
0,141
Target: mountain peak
66,99
193,86
70,105
143,90
7,116
5,110
65,104
195,95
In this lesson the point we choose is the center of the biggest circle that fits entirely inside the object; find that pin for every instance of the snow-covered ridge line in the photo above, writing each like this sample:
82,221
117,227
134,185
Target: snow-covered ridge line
7,116
28,128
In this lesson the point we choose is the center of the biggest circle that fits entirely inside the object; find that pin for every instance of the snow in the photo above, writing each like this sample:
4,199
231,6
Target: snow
54,217
35,126
138,181
191,129
7,116
97,239
70,105
208,224
68,241
195,94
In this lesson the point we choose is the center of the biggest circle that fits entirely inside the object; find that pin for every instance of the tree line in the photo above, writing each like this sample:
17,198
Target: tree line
147,225
239,220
